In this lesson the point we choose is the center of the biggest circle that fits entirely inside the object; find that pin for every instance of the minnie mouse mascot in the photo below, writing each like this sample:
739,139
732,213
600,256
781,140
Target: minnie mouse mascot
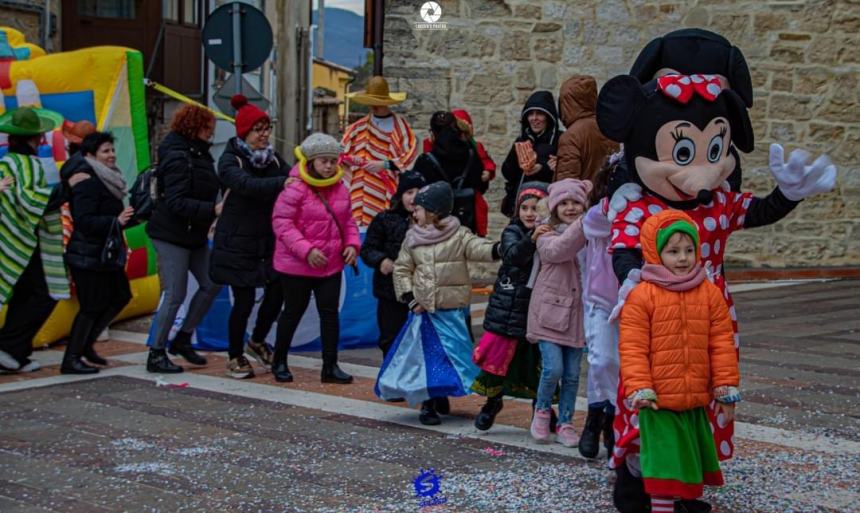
679,131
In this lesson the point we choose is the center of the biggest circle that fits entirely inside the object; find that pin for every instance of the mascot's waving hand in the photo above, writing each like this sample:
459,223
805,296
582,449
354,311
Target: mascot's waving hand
678,133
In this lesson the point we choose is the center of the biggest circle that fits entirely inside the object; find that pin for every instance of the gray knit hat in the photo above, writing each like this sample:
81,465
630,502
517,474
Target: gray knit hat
321,145
438,198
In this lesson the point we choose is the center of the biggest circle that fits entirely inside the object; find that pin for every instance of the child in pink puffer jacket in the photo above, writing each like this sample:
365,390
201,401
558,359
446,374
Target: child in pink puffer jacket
316,237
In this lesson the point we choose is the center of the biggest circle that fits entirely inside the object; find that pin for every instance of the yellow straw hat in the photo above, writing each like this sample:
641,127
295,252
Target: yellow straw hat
377,94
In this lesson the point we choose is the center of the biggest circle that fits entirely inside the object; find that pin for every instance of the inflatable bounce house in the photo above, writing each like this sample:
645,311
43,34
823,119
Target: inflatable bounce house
102,85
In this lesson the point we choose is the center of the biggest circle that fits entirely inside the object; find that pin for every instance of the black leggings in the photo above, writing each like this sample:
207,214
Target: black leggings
390,317
102,296
244,299
297,295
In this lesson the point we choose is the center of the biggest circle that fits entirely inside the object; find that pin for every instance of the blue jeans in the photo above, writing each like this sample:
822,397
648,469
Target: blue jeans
559,363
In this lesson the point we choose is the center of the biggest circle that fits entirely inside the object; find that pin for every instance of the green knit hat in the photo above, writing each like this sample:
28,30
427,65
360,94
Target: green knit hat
680,226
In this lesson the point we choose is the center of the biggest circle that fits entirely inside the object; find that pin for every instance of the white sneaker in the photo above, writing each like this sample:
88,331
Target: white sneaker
30,366
104,336
7,362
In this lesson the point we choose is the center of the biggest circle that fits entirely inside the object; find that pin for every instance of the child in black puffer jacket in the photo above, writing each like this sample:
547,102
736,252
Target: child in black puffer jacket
509,364
379,251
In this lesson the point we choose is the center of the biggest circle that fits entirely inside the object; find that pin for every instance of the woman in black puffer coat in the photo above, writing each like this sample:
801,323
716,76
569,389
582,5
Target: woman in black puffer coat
179,230
100,281
379,251
540,126
254,174
507,313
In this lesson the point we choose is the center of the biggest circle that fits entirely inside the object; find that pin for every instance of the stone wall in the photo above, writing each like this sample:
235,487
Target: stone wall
29,22
804,57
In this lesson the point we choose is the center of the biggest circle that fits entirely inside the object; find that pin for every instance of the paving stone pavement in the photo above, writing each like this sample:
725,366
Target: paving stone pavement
122,442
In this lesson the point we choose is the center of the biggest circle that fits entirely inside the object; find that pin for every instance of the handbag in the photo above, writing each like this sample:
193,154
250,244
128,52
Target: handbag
336,223
464,197
114,255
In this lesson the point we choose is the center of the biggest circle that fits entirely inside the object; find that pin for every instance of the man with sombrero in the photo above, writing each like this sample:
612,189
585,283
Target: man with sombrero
32,274
380,145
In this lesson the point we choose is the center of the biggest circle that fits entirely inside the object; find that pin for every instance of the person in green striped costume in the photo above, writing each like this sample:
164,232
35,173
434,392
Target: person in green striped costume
32,274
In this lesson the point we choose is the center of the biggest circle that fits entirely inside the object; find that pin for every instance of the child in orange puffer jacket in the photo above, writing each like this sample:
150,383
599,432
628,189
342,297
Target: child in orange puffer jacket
677,355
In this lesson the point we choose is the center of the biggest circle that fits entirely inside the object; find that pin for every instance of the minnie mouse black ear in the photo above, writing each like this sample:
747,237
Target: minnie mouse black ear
618,104
647,62
742,132
739,76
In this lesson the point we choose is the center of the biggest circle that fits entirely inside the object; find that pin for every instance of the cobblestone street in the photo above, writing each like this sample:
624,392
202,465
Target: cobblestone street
125,441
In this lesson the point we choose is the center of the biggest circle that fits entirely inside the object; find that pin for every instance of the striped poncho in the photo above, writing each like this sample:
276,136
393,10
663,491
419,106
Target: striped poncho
24,226
370,192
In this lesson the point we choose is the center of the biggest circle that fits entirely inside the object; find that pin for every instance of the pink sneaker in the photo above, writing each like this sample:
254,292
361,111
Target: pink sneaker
567,435
540,426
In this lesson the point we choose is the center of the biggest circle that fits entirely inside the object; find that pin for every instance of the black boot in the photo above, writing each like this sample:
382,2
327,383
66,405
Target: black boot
692,506
181,346
428,415
157,361
609,431
282,373
629,495
331,373
589,442
487,417
93,357
73,365
443,406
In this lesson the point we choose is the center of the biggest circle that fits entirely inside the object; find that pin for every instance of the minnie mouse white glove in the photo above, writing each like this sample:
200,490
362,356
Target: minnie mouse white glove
618,202
633,279
795,179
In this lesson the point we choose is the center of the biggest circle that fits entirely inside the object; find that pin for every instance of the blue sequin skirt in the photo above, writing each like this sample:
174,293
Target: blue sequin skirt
431,357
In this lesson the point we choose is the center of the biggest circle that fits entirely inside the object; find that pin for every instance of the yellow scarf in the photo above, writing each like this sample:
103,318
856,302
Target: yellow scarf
310,180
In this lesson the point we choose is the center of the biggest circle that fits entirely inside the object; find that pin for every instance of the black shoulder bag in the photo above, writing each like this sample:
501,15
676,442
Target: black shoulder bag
114,254
464,197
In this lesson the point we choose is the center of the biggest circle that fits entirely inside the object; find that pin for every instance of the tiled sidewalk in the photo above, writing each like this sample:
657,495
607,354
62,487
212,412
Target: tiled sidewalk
121,442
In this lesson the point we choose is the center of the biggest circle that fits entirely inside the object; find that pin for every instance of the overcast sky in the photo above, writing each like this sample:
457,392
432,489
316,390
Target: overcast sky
356,6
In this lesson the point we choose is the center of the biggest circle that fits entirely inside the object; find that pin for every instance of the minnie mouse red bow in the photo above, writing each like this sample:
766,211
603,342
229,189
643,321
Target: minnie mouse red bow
682,87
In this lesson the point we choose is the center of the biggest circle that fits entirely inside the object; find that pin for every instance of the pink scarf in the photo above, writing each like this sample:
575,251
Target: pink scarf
429,235
664,278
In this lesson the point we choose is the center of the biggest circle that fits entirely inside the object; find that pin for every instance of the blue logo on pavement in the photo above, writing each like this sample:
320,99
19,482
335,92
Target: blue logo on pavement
427,486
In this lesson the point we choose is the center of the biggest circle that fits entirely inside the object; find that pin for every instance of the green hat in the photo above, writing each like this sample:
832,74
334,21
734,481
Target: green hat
680,226
29,121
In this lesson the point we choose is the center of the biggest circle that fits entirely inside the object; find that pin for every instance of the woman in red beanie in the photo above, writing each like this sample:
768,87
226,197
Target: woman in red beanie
254,174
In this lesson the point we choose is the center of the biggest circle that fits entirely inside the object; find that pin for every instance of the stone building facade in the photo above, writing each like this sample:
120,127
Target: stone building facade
26,16
804,57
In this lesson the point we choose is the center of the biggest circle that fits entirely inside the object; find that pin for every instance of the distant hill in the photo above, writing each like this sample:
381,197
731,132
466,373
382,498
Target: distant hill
344,37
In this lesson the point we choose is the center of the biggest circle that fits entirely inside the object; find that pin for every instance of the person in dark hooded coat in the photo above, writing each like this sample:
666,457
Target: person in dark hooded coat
539,120
379,251
453,159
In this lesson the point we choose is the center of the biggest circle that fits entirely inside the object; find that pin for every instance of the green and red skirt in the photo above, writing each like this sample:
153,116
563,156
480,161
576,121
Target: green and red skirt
677,453
522,376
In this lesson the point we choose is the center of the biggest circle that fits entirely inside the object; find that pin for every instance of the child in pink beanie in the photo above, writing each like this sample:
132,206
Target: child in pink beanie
555,310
